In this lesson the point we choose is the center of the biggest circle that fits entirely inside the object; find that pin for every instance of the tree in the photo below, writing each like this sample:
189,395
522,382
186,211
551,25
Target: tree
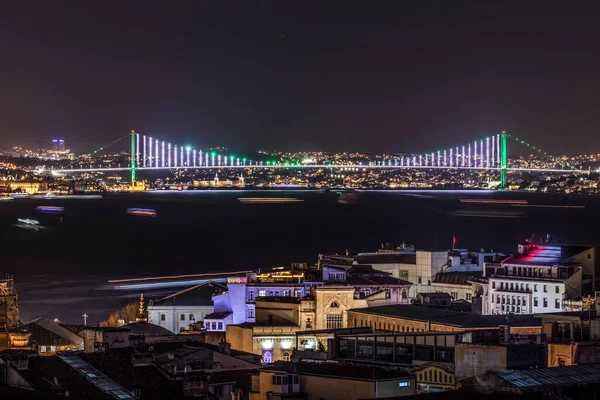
127,314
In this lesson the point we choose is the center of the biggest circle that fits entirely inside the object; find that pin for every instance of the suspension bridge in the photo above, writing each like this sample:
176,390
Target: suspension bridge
489,153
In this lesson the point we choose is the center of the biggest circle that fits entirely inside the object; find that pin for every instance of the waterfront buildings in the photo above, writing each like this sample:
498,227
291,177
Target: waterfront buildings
538,279
420,267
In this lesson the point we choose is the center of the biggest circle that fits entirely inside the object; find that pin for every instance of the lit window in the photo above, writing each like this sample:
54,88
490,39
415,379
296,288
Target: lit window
52,349
262,293
42,349
268,359
334,321
286,356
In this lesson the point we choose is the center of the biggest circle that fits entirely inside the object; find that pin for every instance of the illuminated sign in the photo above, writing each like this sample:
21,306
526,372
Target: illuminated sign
403,384
237,280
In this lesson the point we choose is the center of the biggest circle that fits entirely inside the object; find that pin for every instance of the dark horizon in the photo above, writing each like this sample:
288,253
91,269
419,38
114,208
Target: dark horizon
300,76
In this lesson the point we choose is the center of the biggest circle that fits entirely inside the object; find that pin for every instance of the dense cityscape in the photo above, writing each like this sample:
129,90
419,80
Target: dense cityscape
274,200
395,322
31,171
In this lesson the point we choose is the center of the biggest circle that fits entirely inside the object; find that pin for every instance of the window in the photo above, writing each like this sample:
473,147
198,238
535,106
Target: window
220,326
251,313
251,295
429,282
535,301
42,349
262,293
182,317
213,326
419,280
53,349
334,304
308,323
556,289
545,288
545,302
334,321
163,317
557,303
492,299
268,359
404,293
192,317
286,293
468,296
454,295
286,356
535,288
493,285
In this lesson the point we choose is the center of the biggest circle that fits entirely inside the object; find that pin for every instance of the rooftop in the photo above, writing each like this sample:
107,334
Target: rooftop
47,332
540,255
386,258
541,378
338,370
455,278
218,315
446,317
148,329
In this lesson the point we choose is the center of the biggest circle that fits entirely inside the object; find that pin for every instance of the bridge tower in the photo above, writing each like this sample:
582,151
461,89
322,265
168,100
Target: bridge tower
503,160
133,157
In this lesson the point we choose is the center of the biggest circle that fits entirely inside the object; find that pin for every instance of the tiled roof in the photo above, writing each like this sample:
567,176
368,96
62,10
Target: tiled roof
199,295
148,329
455,278
451,318
46,332
563,376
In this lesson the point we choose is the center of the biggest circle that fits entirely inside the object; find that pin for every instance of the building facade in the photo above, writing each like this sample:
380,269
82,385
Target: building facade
539,279
182,309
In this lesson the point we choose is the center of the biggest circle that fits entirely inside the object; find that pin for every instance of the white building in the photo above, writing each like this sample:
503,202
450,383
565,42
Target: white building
420,267
537,280
178,311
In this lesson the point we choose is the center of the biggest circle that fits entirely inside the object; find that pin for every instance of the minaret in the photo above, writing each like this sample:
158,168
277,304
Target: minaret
142,313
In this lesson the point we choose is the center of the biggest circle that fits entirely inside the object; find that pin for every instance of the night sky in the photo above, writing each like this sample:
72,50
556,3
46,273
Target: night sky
301,75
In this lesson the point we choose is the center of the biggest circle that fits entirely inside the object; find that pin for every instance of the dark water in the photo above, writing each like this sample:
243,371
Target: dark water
61,269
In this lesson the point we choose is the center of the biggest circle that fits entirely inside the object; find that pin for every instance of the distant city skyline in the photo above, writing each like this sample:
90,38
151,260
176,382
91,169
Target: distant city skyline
331,77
